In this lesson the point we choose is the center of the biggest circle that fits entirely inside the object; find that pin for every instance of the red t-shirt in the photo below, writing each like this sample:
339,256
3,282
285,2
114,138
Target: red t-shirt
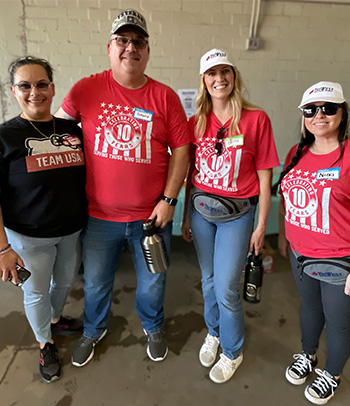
234,172
316,194
127,134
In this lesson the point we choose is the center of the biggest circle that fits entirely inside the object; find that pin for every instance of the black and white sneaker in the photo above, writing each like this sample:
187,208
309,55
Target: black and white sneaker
85,349
322,388
300,369
157,348
50,366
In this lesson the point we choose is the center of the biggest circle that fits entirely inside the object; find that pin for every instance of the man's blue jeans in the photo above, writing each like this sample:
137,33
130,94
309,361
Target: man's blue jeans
222,250
103,242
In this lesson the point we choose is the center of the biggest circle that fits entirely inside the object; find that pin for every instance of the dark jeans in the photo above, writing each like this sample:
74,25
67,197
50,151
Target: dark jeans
324,304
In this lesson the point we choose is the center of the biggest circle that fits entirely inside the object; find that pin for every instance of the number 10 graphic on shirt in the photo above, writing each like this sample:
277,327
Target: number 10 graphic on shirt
119,136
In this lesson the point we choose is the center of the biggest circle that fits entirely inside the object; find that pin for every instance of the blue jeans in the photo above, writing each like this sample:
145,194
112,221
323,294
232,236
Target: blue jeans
54,263
103,242
222,250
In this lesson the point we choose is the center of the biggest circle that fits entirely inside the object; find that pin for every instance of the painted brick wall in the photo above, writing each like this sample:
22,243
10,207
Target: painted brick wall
301,43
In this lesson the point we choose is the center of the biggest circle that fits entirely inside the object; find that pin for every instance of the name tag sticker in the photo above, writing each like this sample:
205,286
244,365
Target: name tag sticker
235,141
332,173
141,114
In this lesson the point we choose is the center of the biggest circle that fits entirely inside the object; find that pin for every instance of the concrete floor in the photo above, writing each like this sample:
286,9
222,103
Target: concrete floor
121,373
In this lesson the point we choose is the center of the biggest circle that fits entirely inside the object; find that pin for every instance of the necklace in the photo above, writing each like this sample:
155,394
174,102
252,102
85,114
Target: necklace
54,128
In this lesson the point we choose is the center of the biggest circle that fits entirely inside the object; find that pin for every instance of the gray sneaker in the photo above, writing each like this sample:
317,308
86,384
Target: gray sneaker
157,348
84,350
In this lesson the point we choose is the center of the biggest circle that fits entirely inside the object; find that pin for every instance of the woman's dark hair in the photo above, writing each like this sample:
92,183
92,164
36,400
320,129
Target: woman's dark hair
29,60
307,138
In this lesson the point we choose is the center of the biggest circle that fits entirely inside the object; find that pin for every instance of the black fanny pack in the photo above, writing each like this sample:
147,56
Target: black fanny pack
220,209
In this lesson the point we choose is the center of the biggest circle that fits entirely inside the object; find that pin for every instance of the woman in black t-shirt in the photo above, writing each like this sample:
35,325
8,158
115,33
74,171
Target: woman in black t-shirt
42,205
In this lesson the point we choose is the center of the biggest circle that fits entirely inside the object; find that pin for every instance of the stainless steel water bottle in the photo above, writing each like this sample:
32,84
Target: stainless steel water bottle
153,248
253,279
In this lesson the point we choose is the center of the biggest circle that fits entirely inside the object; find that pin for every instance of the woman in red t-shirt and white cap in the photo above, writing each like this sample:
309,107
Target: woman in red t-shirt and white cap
232,164
315,203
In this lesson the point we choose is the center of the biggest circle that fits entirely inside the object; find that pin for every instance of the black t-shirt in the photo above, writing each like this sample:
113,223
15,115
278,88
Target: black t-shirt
42,178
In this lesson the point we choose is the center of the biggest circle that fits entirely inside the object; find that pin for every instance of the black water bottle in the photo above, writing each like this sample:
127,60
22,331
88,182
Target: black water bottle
253,279
153,247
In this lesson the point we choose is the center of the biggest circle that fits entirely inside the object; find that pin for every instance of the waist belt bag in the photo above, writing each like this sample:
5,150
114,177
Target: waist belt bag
323,265
220,209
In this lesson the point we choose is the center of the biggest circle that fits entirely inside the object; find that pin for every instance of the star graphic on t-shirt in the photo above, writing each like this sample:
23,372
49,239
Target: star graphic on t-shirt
113,113
100,117
118,106
103,104
98,129
298,172
110,105
314,181
322,182
105,111
314,174
306,173
291,176
126,108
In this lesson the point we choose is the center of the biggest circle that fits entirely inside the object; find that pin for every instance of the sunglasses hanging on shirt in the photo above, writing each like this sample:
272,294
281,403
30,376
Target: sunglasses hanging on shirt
219,145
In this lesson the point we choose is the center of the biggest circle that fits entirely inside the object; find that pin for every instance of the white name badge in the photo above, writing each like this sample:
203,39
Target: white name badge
235,141
143,114
332,173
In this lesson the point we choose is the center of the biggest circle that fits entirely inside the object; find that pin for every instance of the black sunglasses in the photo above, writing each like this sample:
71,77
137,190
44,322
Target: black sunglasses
328,109
220,135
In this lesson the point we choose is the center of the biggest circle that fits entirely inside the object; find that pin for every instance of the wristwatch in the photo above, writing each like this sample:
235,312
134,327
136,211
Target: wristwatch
170,201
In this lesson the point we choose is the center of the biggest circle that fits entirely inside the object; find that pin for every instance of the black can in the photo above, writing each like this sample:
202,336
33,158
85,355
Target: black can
253,277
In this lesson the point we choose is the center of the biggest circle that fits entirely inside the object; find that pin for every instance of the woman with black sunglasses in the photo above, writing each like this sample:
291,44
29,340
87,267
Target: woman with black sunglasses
315,232
231,168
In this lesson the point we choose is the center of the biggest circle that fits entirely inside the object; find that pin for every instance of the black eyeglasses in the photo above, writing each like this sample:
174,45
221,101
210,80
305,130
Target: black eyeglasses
123,42
26,87
220,135
328,109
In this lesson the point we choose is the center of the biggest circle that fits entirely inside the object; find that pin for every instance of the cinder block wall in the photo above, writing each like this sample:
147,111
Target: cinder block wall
302,42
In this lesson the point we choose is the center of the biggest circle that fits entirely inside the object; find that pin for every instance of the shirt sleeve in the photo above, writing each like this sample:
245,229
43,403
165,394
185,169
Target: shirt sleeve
71,103
266,156
178,131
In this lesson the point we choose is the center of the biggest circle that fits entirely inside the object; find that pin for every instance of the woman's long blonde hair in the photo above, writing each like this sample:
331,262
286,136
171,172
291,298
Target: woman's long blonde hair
204,104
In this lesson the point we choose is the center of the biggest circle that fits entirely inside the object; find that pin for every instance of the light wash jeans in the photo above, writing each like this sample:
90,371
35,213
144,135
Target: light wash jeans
54,263
222,250
103,242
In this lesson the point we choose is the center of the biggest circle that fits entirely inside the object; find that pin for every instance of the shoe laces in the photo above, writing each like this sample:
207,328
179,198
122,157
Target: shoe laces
302,363
324,382
156,337
48,355
225,363
210,343
84,341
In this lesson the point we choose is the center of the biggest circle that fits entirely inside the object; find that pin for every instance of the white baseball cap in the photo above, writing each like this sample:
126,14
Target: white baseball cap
212,58
323,92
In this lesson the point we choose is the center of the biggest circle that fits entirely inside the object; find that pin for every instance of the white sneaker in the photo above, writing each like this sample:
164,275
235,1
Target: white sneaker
224,369
209,350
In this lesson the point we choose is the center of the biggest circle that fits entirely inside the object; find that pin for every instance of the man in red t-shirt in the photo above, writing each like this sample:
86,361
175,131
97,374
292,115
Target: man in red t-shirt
129,122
